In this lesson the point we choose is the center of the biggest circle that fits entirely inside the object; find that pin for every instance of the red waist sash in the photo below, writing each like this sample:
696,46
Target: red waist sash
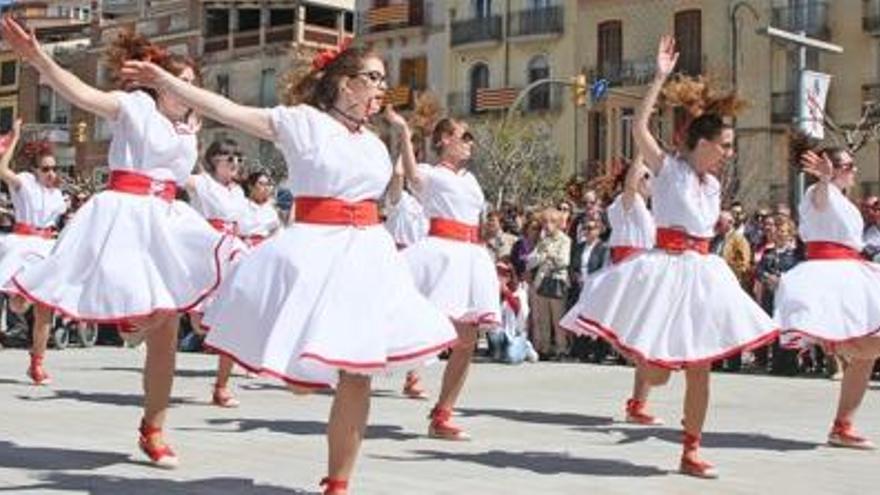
620,253
332,211
141,185
677,241
832,251
454,230
28,229
224,226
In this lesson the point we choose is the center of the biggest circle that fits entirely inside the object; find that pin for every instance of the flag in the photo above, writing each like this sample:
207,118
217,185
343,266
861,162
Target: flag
812,98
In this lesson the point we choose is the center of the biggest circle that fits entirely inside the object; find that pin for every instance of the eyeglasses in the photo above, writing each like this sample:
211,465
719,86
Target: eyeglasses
564,208
375,77
233,158
46,170
264,183
846,166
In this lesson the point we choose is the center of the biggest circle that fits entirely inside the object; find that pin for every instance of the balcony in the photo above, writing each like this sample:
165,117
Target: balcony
783,105
627,73
411,14
476,30
871,17
811,17
537,22
460,103
400,97
319,35
54,133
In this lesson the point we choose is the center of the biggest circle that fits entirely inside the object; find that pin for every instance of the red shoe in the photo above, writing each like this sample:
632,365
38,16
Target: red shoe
36,372
844,435
691,465
441,426
412,387
152,444
224,398
635,414
334,486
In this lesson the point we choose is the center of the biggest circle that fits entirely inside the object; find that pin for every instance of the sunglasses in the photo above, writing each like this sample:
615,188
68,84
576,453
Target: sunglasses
264,183
46,170
375,77
846,166
467,137
564,208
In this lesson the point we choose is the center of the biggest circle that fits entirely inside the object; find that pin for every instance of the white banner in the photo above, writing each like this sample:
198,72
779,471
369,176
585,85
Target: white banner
811,102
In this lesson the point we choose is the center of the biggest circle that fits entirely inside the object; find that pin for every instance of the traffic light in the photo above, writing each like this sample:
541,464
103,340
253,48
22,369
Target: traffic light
579,90
80,132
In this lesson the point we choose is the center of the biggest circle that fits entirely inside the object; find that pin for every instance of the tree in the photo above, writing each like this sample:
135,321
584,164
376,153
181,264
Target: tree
516,162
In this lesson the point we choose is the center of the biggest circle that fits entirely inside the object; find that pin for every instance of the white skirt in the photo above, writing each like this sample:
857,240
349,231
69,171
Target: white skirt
17,252
317,299
671,310
126,256
459,278
828,300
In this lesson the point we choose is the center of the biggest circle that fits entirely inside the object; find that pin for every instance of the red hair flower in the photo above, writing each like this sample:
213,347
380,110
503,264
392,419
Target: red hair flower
325,57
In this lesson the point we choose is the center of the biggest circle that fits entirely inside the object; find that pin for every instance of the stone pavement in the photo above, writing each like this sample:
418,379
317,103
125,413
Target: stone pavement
538,429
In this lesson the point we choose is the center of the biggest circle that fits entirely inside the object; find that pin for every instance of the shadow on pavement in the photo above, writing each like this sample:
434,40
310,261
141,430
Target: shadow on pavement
538,462
13,456
106,398
540,417
718,440
290,427
107,485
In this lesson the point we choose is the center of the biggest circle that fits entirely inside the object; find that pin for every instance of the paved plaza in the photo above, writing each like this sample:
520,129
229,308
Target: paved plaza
538,429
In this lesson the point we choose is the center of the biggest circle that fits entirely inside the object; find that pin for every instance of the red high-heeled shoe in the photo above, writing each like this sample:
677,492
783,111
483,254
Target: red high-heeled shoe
412,387
843,434
691,465
441,426
159,452
36,372
635,413
334,486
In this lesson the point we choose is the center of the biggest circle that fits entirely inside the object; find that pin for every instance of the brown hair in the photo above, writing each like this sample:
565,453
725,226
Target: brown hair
445,127
34,151
131,46
319,86
799,143
699,96
707,126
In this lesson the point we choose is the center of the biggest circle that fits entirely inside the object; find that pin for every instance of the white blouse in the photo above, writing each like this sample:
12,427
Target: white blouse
683,201
634,227
445,193
839,222
36,204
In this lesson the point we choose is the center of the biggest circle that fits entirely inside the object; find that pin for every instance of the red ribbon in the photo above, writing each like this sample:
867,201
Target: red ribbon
832,251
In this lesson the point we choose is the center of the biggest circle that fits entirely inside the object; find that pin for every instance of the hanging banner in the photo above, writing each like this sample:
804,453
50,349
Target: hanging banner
811,102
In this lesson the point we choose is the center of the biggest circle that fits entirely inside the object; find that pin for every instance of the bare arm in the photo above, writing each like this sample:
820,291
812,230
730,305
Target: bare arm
72,88
407,154
648,146
818,166
251,120
6,173
631,183
395,187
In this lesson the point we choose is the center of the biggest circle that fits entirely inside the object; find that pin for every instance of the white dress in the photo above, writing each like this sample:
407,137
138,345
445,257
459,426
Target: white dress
317,299
219,204
258,222
832,300
406,221
35,206
458,277
124,255
632,228
672,310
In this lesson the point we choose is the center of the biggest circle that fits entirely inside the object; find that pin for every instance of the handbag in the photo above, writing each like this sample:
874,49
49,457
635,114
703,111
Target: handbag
553,288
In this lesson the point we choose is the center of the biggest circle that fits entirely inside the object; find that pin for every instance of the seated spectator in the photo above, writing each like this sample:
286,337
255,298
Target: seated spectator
871,234
509,342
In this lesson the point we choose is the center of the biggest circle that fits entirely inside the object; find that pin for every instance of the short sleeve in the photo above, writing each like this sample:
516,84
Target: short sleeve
133,107
426,172
28,181
200,185
294,128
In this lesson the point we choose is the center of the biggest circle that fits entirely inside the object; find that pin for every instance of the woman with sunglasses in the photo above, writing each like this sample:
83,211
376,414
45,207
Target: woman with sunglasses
687,309
132,255
220,200
261,219
834,296
329,301
38,206
451,268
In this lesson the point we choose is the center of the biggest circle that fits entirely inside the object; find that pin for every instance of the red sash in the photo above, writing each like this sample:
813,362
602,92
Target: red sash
224,226
141,185
677,241
332,211
620,253
454,230
832,251
28,229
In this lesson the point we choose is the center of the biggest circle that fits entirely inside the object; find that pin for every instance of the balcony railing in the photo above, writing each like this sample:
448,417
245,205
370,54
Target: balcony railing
627,73
540,21
810,17
783,105
412,13
320,35
549,98
476,30
871,17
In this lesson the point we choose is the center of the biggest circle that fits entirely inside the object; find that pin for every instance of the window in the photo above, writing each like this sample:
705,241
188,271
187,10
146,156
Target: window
348,22
539,98
320,16
416,12
268,94
217,22
627,147
479,79
8,73
44,97
7,115
248,20
223,84
482,8
414,73
597,139
281,17
610,46
689,41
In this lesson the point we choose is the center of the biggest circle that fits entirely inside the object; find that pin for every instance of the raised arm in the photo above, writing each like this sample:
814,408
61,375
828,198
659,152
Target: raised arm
818,166
11,141
398,180
250,120
648,146
72,88
634,175
407,154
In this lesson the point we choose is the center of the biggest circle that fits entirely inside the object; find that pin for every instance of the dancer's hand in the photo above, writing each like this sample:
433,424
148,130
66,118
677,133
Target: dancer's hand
23,42
8,140
145,74
667,56
819,166
396,120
